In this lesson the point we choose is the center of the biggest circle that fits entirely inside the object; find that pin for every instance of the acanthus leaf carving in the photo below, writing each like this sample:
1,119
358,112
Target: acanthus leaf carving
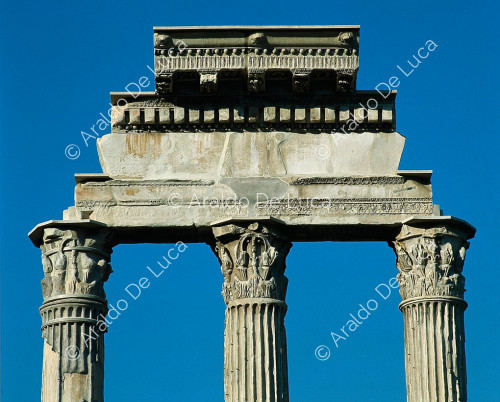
259,264
430,266
75,262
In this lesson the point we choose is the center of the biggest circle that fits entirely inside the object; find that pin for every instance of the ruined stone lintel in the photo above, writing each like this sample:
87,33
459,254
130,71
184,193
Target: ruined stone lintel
430,258
308,205
252,257
75,259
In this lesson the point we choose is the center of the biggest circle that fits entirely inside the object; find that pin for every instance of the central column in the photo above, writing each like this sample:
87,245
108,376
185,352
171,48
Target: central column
252,258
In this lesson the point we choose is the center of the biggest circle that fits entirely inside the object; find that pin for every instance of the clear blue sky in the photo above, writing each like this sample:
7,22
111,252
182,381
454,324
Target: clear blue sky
59,61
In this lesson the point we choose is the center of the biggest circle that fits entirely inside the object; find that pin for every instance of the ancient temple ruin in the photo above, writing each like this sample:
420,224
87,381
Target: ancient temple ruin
255,138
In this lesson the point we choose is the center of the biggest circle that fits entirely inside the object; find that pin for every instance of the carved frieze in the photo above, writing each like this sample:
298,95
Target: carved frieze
332,206
351,181
254,55
289,206
240,59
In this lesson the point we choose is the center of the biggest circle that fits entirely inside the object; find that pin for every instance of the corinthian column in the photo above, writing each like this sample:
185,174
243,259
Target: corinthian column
252,258
430,258
75,260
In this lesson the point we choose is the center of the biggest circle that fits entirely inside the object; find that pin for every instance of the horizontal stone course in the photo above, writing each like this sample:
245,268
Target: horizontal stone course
158,119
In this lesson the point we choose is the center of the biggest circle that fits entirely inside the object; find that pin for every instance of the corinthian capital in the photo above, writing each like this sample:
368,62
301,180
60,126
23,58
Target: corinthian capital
252,258
430,257
75,261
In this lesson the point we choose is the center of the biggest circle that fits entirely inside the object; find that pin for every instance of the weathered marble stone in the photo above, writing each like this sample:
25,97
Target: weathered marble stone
255,137
247,51
430,259
252,257
213,155
75,259
316,208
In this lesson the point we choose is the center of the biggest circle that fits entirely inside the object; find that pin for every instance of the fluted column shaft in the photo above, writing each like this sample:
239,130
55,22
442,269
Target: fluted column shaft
435,350
430,259
75,261
255,359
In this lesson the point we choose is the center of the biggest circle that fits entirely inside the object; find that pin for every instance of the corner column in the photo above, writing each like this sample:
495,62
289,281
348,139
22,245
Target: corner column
75,259
252,258
430,258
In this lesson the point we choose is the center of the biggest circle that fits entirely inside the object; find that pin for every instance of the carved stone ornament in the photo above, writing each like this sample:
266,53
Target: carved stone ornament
431,265
347,38
74,263
252,258
256,81
162,41
301,82
257,39
164,83
345,80
208,82
253,263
